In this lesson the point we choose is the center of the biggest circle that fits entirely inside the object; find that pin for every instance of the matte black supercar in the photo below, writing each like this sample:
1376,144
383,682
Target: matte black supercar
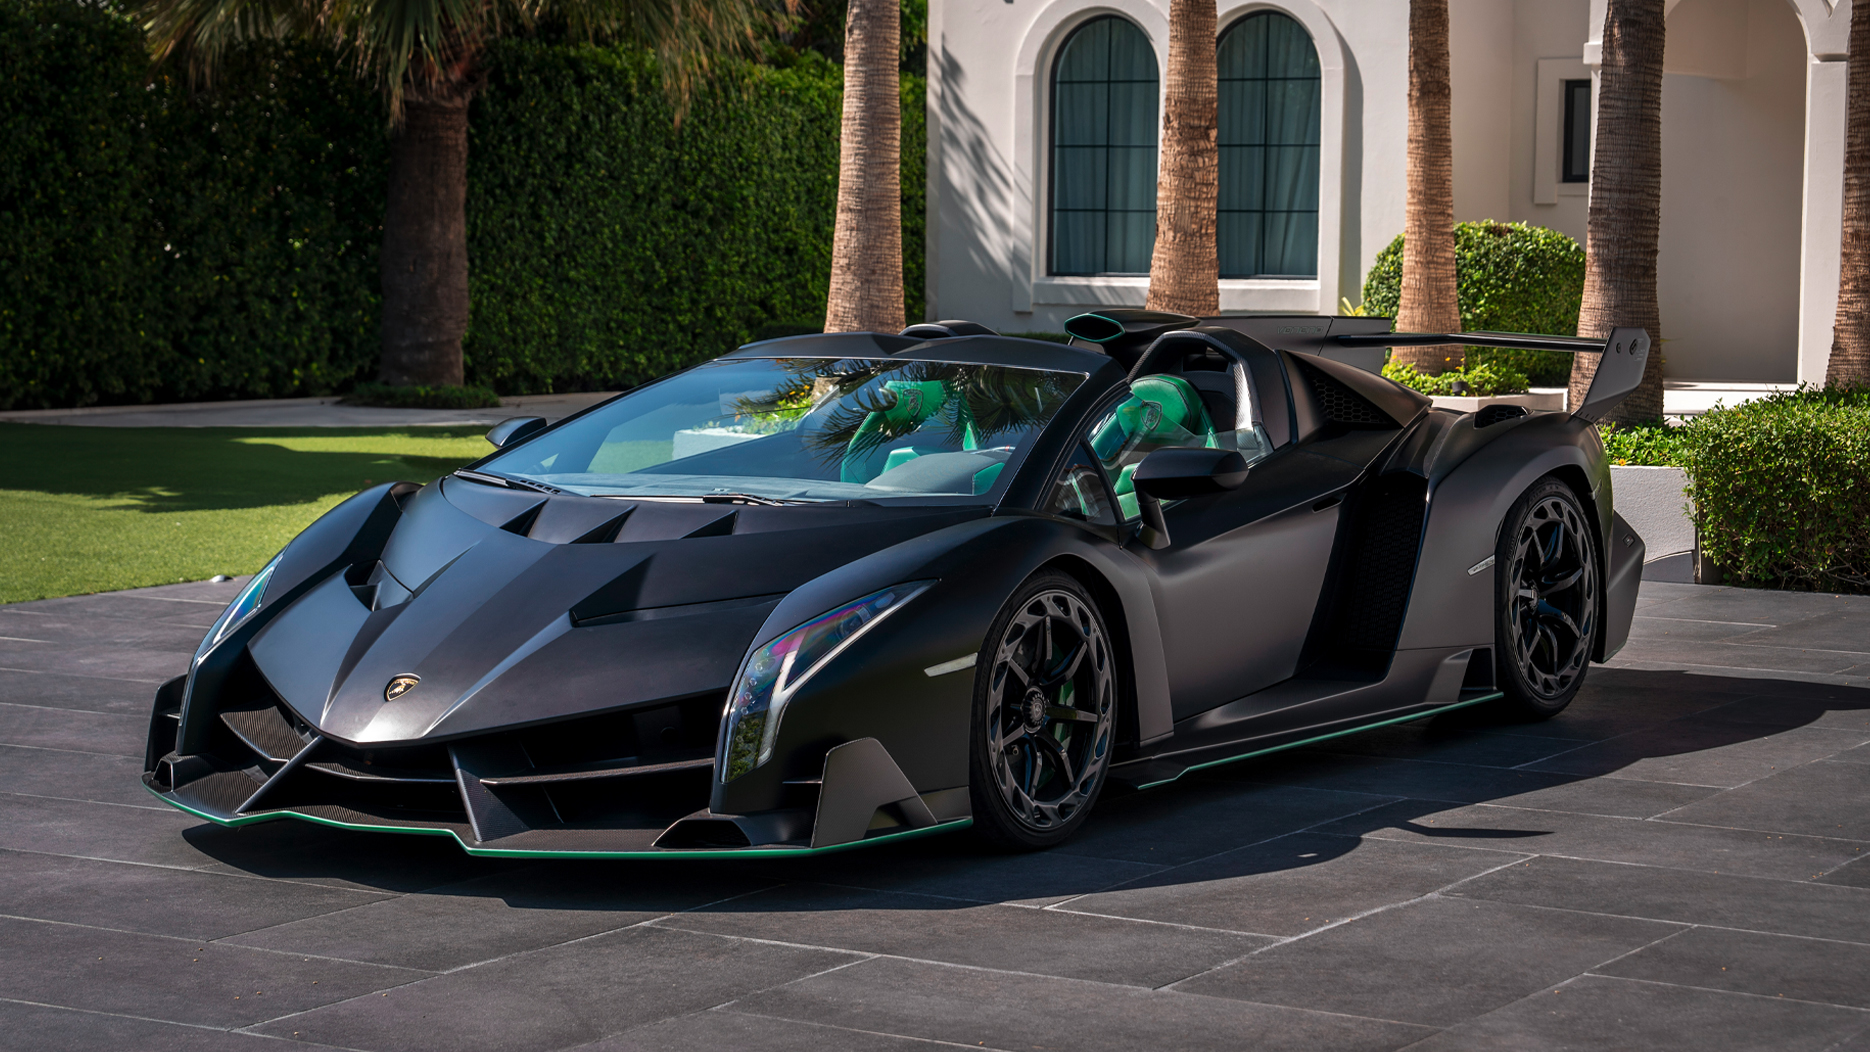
835,589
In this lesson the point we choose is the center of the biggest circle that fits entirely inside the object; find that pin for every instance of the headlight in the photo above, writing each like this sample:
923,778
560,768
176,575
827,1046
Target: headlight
772,674
239,610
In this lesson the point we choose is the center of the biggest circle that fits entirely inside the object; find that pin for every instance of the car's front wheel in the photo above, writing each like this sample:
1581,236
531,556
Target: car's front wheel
1545,610
1045,702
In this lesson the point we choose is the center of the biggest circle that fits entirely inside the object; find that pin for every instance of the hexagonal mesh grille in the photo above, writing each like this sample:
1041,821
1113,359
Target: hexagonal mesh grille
1375,591
1340,404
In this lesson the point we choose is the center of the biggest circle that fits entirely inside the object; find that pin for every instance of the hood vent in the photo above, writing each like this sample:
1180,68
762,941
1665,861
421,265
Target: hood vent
522,523
720,527
606,533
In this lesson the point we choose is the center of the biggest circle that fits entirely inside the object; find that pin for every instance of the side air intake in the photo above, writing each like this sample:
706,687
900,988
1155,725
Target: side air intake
1338,404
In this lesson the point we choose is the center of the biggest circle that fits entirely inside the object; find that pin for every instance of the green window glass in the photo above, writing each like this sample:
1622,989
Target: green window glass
1104,97
1269,115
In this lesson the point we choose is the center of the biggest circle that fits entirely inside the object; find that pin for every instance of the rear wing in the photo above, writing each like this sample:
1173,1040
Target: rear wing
1619,366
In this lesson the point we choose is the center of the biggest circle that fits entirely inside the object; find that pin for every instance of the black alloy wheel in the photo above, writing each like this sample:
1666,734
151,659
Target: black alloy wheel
1546,575
1045,702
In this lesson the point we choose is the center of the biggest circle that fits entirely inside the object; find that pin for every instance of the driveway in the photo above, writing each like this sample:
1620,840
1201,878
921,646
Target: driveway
1677,861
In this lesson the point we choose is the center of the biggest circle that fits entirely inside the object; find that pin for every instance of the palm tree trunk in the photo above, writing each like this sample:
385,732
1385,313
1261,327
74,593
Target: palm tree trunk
1850,333
424,263
1430,298
867,246
1184,268
1621,238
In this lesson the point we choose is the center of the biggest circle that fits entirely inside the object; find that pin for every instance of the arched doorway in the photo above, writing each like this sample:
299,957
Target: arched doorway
1733,149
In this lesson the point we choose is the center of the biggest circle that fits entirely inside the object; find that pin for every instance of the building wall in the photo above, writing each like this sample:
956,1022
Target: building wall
1744,255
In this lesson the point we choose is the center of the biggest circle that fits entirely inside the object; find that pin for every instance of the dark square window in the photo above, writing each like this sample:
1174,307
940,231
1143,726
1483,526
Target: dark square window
1576,166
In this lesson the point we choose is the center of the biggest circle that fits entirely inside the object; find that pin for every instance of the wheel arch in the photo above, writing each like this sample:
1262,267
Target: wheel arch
1110,604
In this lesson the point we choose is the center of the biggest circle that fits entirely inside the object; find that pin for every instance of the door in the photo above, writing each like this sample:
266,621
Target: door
1238,583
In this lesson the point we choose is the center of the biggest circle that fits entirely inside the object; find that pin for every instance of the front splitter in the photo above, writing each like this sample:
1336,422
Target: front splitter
234,821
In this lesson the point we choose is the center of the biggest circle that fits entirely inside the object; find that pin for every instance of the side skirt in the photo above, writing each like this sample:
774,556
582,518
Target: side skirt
1156,770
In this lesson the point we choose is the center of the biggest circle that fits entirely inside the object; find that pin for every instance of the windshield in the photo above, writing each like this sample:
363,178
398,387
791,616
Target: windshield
807,429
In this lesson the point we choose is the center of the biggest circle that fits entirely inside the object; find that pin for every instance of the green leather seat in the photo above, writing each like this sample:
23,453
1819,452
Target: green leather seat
916,401
1161,411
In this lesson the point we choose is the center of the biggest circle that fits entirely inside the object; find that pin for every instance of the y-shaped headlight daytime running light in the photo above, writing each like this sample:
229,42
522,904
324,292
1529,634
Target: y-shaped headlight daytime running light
772,674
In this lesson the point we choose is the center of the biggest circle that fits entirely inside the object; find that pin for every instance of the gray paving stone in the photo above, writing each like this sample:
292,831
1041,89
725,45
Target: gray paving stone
1839,630
1845,714
92,830
1703,752
36,1028
309,854
1821,970
1860,754
157,977
961,867
1376,777
1785,907
491,916
75,776
52,628
89,693
188,611
993,1009
1447,741
1510,829
1613,797
566,995
1435,961
187,904
1192,818
1678,652
1853,874
146,666
1817,799
1617,1015
1291,885
724,1028
1011,938
115,733
1663,627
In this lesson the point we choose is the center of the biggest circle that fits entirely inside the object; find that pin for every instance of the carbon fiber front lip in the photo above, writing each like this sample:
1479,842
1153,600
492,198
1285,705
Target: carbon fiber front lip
495,852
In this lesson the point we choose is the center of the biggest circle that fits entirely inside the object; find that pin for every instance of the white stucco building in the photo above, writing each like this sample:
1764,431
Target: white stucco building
1044,116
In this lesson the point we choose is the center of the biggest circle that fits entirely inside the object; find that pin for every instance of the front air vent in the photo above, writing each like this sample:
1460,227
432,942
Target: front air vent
1339,404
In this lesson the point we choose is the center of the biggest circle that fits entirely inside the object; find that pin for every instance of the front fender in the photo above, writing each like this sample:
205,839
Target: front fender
879,688
354,531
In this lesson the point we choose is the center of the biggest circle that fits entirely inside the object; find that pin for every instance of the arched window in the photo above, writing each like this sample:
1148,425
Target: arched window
1104,150
1269,113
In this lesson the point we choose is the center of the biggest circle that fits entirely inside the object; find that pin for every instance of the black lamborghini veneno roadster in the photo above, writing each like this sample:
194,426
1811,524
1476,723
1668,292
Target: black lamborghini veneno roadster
836,589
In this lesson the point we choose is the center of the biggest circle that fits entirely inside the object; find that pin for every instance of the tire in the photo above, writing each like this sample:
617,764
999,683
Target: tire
1546,604
1045,703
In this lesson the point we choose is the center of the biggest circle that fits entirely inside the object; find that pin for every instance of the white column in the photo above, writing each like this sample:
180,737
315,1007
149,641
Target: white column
1823,214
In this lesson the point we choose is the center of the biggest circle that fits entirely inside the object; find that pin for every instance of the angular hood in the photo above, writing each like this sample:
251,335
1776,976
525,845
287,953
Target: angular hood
510,607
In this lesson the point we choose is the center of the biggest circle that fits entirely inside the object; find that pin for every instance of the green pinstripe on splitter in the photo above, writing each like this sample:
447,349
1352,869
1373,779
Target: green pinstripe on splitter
1327,737
496,852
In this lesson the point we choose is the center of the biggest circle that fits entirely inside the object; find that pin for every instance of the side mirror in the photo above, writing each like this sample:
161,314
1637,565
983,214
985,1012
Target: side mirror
511,430
1172,474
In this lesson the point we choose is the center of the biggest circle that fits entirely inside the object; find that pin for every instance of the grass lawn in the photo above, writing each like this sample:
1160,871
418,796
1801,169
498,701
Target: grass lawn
89,509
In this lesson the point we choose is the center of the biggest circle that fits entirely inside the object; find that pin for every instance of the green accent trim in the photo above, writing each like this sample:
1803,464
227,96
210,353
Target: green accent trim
1327,737
496,852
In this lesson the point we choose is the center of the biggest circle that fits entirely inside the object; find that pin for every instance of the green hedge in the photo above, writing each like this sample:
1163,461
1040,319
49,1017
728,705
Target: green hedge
158,243
163,244
1511,277
1781,488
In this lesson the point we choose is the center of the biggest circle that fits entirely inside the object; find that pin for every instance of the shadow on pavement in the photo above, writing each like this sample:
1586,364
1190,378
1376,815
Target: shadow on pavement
1226,818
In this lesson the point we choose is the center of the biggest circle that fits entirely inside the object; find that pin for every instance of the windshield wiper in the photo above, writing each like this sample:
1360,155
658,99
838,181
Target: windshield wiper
747,498
492,479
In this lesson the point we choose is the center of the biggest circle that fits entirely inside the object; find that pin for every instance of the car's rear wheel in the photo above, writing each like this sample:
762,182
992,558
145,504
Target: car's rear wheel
1545,609
1045,702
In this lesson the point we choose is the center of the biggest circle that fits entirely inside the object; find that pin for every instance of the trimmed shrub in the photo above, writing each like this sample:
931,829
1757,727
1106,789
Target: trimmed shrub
1484,380
1650,444
1511,277
1781,488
